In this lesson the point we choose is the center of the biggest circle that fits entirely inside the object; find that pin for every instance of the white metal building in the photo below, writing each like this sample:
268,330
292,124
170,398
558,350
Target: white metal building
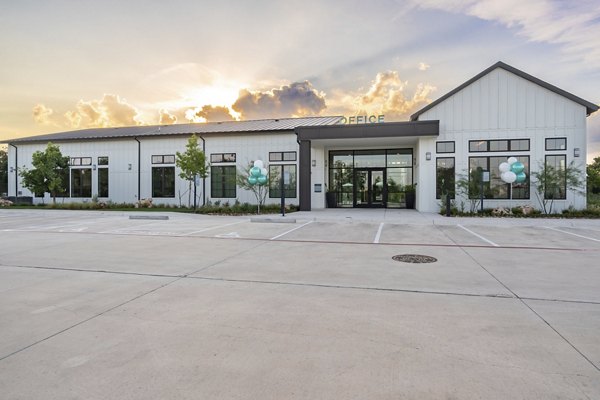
499,113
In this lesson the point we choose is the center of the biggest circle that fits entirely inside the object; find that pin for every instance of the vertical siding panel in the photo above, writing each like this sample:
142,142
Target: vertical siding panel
484,100
493,100
530,104
502,99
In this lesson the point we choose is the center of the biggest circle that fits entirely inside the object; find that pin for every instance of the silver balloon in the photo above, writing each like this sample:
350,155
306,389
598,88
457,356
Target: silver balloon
508,176
504,167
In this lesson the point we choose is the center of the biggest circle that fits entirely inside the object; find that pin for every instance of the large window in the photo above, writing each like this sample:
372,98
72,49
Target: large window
81,182
222,182
496,188
556,167
163,181
102,182
444,177
288,171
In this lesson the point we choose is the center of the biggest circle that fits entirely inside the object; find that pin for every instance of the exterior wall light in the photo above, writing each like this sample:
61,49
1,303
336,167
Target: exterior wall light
428,156
94,167
129,167
12,169
576,152
314,163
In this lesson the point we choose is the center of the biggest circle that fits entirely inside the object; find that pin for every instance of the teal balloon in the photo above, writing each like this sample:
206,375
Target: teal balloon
252,180
255,171
262,180
521,177
517,167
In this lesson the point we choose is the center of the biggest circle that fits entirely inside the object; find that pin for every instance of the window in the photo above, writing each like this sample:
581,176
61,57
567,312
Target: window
289,176
77,161
81,182
481,146
282,156
102,160
496,188
163,181
166,159
445,177
556,144
444,147
556,166
222,157
222,182
102,182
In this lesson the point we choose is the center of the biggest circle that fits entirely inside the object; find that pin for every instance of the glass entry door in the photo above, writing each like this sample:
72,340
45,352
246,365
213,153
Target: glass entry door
370,187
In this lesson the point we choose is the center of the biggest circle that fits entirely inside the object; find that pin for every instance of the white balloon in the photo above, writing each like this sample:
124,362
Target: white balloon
258,164
509,177
263,171
512,160
504,167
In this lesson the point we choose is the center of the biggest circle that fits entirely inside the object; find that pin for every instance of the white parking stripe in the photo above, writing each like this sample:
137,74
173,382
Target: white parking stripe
212,227
291,230
378,235
571,233
478,235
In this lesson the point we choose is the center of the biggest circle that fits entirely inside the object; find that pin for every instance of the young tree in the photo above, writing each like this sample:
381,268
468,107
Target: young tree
48,173
3,171
192,163
469,186
553,183
259,191
593,176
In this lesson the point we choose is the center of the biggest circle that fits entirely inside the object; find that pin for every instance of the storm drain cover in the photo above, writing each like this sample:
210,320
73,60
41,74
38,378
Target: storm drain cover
414,258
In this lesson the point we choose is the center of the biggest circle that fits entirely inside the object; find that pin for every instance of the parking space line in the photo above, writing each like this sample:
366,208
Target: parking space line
378,235
478,235
291,230
212,227
571,233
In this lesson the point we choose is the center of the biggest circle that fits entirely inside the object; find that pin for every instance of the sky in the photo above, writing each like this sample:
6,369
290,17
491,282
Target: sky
75,64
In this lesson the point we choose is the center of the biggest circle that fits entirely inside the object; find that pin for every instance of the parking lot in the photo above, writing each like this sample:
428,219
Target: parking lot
95,305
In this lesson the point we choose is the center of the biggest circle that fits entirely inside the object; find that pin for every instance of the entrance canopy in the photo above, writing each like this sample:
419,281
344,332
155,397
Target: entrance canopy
343,135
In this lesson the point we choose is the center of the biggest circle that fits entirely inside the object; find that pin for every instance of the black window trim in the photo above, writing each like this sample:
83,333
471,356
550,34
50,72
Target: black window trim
510,197
444,142
436,167
509,149
281,168
554,138
282,154
162,156
222,158
222,188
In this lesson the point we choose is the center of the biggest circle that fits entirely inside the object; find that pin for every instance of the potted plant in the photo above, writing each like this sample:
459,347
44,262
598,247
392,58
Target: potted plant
331,198
410,192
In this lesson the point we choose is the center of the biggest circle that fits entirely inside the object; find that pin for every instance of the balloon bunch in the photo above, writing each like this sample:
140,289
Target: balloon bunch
258,174
512,171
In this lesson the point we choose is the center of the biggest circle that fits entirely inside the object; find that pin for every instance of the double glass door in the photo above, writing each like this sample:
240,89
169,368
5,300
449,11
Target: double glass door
370,187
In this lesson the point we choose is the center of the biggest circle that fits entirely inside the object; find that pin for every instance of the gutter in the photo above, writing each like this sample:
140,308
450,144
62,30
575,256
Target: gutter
16,171
139,168
203,178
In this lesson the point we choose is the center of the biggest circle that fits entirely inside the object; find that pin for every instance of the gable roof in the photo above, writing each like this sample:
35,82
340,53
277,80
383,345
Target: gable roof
263,125
590,107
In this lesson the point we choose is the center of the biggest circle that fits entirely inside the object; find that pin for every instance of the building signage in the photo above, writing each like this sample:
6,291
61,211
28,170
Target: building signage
362,119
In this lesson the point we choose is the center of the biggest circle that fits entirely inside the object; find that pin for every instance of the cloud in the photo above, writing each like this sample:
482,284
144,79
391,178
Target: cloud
43,115
298,99
387,95
166,118
209,113
423,66
570,25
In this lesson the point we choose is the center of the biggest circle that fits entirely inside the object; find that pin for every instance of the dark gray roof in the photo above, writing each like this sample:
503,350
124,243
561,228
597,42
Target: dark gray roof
362,131
263,125
590,107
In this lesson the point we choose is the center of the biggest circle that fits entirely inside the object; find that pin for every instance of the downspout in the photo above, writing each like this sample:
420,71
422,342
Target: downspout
139,168
203,178
16,171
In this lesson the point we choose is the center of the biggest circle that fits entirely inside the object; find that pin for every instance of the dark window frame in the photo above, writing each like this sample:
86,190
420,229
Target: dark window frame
158,159
554,149
564,185
162,190
223,191
218,158
80,161
83,189
438,151
437,188
509,145
99,183
103,160
511,188
282,156
275,192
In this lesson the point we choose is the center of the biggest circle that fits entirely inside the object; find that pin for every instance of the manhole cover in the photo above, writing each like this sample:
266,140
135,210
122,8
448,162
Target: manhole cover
414,258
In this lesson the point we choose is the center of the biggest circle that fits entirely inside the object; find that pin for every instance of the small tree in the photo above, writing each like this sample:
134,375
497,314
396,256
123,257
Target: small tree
550,183
192,163
48,173
3,171
469,186
259,191
593,176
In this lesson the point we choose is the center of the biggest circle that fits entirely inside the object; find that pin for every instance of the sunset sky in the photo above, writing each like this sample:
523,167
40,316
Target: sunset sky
68,65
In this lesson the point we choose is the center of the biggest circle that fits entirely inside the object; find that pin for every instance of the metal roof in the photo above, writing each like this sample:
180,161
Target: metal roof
590,107
263,125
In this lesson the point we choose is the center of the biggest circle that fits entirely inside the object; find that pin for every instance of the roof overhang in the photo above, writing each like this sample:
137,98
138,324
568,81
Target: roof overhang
367,131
